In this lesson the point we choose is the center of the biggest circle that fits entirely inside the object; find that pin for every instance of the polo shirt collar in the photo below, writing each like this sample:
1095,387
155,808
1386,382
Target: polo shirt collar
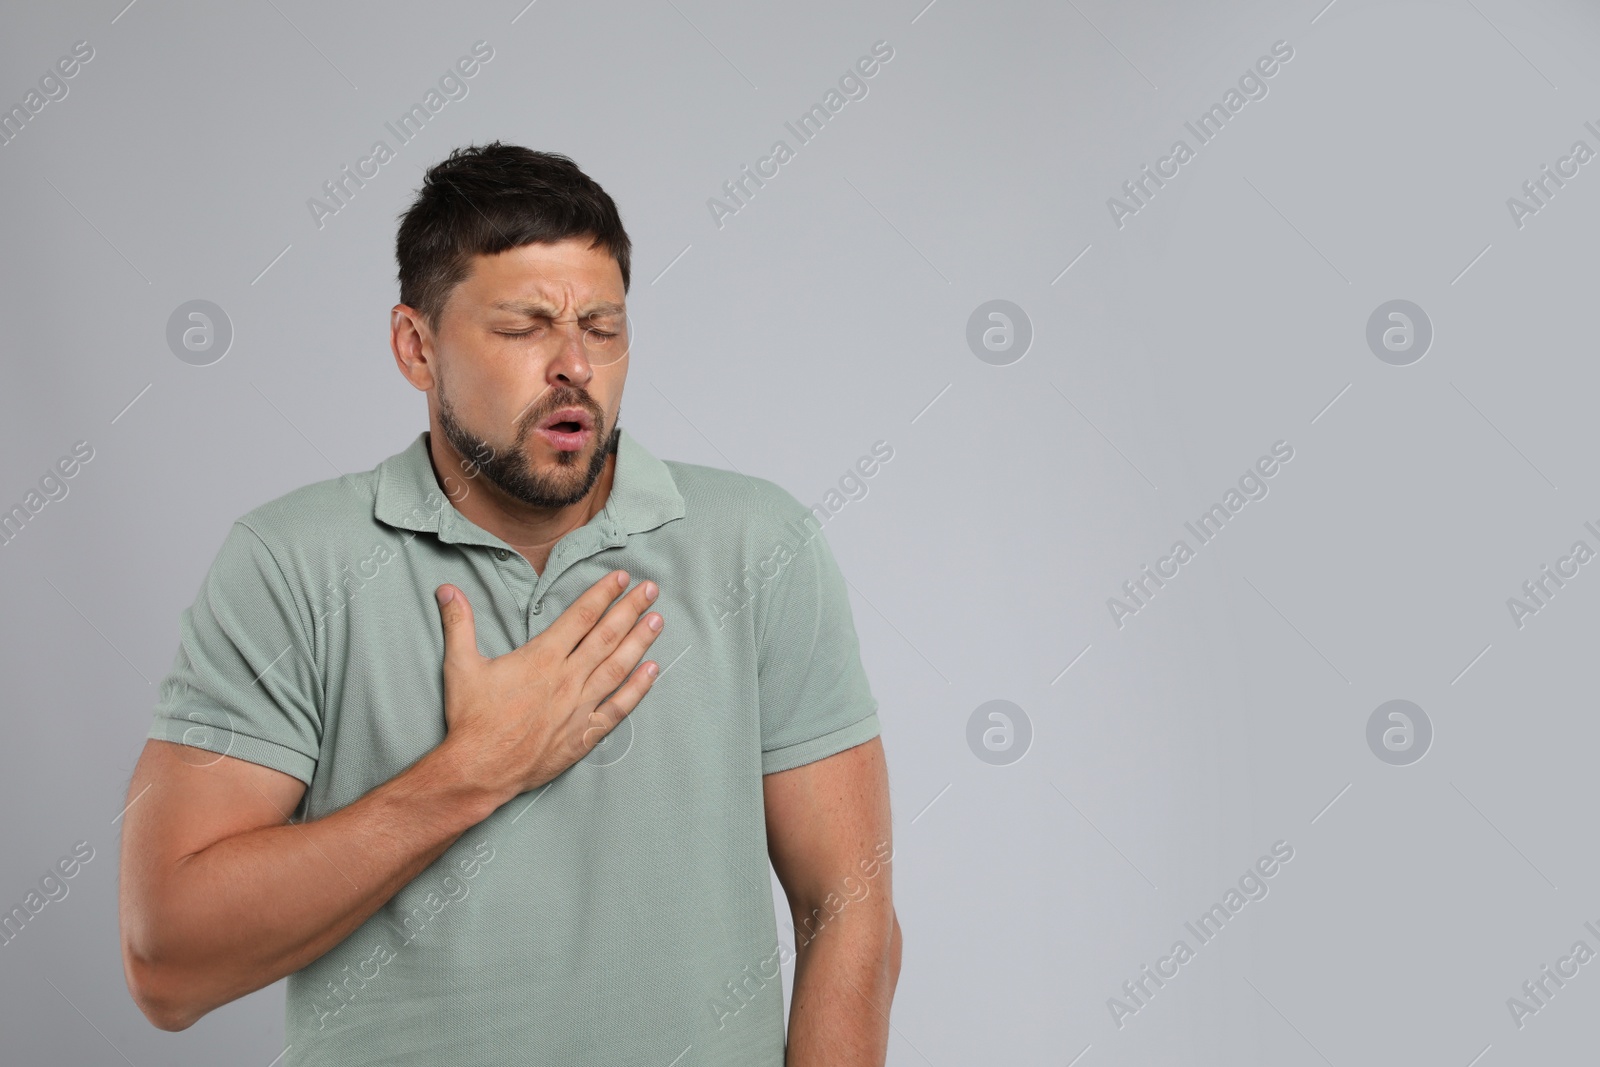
408,496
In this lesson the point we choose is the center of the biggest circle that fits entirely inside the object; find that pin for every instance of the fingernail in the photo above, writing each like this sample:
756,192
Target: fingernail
651,669
444,594
654,622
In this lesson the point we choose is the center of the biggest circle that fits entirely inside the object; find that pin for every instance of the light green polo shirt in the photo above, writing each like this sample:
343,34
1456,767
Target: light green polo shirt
622,914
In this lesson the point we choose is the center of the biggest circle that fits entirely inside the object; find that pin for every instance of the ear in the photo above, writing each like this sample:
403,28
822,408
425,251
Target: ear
411,341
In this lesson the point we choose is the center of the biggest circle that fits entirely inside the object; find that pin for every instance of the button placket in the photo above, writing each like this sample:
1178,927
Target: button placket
519,580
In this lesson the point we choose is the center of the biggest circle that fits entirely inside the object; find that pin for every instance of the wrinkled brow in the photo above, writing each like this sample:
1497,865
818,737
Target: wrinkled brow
534,309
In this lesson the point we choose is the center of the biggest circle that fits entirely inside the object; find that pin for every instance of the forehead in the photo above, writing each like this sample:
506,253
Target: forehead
564,273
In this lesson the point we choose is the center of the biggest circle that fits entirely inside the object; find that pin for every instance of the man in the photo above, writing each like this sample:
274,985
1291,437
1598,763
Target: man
408,756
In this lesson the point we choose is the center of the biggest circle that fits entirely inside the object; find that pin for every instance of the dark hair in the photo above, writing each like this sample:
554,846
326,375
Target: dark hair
484,200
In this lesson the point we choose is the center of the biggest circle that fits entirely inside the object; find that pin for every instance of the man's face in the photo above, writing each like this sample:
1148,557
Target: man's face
503,388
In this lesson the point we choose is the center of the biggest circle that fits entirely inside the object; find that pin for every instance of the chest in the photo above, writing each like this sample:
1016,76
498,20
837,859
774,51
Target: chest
383,681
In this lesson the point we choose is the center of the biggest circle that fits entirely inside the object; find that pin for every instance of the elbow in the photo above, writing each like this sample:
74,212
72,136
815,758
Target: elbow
157,992
153,996
164,1013
171,1021
869,935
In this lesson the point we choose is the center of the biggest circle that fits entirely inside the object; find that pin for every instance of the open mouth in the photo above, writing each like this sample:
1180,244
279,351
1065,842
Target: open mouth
567,430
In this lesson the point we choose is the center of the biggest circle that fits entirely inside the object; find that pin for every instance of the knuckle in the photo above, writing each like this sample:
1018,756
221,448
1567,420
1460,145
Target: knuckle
600,724
561,691
540,660
617,633
612,672
588,613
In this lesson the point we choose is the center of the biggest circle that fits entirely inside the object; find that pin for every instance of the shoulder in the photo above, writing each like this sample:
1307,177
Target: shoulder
290,548
319,514
285,554
728,501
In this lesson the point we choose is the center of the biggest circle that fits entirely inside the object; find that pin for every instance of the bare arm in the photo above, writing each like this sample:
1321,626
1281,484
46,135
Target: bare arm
828,833
222,895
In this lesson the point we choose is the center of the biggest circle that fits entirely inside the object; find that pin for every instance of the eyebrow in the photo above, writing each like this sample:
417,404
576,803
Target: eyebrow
534,309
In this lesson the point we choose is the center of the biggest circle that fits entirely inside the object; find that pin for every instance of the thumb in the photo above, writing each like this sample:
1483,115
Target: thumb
460,637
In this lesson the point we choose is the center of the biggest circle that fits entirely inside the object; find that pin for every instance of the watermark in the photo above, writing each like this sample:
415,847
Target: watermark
1399,332
1542,188
1139,591
610,749
738,594
852,86
339,995
53,888
1542,588
852,484
743,988
999,332
1399,732
1252,886
1252,85
199,332
1538,991
452,85
53,487
833,903
999,732
52,88
344,586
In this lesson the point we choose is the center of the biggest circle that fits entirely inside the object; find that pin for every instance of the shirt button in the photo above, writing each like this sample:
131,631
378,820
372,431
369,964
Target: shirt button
538,607
501,553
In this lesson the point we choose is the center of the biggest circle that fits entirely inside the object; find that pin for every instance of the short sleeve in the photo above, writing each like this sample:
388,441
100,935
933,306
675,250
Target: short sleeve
813,691
244,682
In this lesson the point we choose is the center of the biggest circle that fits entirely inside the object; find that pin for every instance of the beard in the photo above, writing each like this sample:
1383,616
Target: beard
513,473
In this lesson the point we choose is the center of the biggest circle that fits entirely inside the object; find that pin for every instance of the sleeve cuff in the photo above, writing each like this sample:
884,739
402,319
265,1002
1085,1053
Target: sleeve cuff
239,746
791,756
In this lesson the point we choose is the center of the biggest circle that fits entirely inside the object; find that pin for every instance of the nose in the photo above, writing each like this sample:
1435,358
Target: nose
569,364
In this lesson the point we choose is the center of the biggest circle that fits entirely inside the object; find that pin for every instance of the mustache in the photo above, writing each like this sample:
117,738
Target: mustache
568,400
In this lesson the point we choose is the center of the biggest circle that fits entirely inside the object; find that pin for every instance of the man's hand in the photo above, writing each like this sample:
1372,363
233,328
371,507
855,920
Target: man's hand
222,894
518,720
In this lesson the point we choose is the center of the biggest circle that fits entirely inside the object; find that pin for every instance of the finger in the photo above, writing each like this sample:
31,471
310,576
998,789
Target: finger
619,705
604,638
574,624
609,673
460,635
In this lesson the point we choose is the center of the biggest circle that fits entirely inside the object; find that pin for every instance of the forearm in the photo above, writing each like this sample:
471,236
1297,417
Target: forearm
845,977
248,910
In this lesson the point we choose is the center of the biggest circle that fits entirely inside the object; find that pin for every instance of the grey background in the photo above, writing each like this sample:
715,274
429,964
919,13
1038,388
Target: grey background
831,312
